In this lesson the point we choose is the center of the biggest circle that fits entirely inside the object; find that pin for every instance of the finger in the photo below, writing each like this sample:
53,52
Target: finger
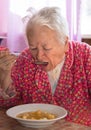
4,59
7,63
4,52
10,62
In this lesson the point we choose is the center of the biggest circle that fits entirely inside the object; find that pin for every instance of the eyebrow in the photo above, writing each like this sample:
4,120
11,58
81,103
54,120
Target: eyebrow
42,45
31,45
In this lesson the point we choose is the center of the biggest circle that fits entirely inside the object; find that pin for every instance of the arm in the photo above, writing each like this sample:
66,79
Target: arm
7,89
87,64
17,75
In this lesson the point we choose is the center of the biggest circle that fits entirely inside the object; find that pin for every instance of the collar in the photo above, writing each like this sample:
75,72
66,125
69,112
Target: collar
69,56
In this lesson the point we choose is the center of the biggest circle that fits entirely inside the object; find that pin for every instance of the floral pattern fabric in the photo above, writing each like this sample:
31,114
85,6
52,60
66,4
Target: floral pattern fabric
73,91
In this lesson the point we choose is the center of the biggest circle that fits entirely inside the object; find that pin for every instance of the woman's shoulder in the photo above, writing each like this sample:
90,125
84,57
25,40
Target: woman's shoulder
23,64
26,52
80,47
80,50
25,56
24,60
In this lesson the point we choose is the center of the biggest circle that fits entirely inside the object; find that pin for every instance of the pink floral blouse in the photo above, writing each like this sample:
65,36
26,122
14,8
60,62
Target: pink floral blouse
73,91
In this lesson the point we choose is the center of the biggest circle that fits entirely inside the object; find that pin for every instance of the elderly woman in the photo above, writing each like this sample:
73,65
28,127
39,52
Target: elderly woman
52,70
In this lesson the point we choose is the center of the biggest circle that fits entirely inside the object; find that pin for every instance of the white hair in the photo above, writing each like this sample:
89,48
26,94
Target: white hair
52,18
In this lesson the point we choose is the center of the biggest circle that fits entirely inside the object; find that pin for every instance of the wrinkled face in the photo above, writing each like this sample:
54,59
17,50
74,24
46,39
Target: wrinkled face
46,48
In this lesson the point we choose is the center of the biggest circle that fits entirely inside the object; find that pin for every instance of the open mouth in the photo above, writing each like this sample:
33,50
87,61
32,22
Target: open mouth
41,63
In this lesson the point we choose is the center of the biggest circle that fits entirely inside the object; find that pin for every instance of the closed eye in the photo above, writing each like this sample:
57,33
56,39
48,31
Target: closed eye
47,49
33,49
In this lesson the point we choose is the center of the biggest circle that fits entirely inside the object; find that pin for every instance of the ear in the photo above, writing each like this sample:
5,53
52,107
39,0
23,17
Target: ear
66,44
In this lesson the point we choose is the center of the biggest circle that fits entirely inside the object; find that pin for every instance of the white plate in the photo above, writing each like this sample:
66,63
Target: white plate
54,109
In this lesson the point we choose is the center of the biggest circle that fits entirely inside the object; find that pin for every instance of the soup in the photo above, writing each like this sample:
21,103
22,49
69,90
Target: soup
37,115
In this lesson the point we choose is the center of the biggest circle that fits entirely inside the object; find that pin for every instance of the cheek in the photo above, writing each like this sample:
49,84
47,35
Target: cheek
34,54
51,58
55,57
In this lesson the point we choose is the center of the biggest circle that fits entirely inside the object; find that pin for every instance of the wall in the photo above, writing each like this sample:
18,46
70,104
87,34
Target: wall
11,26
4,9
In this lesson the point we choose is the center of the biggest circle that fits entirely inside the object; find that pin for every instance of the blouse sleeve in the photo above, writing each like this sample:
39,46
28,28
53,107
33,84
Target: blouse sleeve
9,97
87,64
9,100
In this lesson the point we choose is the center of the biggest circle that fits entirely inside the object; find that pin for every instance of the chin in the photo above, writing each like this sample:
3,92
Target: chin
48,69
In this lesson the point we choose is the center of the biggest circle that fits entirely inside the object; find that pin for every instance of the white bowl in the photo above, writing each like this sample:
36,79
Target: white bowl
54,109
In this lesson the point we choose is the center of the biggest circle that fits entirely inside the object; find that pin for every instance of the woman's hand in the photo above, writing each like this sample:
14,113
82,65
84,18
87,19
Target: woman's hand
6,62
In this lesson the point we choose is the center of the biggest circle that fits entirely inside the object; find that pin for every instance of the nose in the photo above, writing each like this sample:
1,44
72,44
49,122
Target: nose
40,55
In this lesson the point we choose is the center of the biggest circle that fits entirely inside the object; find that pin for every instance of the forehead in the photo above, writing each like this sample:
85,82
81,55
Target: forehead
42,34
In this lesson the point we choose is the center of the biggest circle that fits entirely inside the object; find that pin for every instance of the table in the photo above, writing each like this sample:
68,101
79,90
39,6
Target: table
7,123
